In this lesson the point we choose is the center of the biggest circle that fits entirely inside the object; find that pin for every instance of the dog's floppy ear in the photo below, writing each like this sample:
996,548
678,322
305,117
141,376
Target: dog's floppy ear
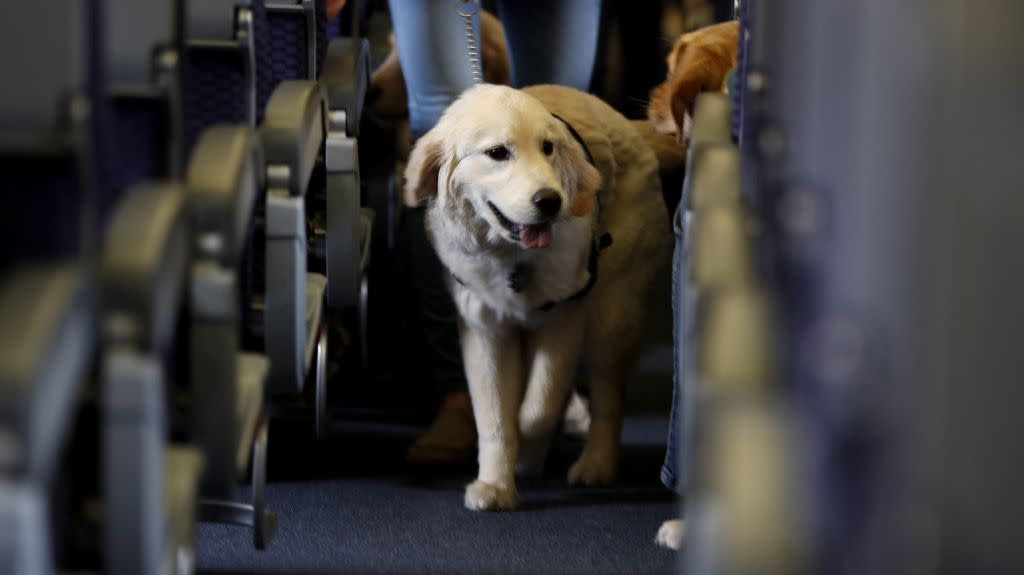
586,189
422,171
581,179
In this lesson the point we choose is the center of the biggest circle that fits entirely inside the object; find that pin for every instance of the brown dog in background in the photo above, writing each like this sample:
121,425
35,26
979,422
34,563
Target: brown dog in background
700,61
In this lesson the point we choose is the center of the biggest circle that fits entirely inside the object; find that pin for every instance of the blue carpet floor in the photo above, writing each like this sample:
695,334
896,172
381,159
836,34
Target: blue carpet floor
352,506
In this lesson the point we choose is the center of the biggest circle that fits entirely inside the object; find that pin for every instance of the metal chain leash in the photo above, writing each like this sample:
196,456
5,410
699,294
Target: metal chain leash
467,9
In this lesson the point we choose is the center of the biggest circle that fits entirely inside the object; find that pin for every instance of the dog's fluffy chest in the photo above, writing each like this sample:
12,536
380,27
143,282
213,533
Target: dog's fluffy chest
511,284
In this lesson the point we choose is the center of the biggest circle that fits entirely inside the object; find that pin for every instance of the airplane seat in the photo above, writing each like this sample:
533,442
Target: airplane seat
223,179
227,72
151,487
293,28
725,353
737,88
47,248
249,321
753,78
281,308
295,130
340,228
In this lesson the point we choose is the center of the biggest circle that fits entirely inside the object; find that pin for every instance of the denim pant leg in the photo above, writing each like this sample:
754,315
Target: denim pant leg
438,317
431,39
681,420
551,41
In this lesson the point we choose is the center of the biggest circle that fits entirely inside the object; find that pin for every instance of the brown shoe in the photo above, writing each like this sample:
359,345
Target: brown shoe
451,438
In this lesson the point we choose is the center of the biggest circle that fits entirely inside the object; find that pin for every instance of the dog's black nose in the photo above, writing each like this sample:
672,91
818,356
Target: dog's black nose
548,202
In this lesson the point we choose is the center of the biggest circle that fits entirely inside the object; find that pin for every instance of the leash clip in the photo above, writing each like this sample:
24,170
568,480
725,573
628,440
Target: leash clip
467,8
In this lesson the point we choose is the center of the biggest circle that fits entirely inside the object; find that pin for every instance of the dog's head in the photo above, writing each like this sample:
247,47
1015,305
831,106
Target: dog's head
699,62
499,163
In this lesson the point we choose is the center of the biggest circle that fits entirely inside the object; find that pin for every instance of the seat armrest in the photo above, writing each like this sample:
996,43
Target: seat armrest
26,541
224,177
144,263
712,120
721,249
45,344
293,130
345,76
713,177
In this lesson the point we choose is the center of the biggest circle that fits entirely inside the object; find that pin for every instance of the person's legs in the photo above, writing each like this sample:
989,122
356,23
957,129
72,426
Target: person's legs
432,45
431,40
452,436
552,41
673,472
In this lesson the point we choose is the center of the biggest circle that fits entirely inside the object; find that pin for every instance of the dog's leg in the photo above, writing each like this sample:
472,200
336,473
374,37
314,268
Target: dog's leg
493,371
553,356
611,349
671,533
599,461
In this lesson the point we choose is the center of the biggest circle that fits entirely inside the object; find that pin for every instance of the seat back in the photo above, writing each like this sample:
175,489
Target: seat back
50,129
228,75
51,120
294,28
144,41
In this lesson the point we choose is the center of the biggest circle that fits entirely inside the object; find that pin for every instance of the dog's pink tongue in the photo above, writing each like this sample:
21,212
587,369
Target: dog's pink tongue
535,236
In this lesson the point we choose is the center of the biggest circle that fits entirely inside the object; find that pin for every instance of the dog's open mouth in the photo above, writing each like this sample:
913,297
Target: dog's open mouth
533,236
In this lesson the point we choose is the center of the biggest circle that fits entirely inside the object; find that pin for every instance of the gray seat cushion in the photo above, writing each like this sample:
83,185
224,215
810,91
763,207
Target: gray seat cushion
316,285
252,373
183,466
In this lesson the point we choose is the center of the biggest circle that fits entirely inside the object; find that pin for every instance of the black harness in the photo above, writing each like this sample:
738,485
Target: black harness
520,276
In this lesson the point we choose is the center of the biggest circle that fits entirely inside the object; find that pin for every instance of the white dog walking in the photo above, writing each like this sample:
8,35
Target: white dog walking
526,188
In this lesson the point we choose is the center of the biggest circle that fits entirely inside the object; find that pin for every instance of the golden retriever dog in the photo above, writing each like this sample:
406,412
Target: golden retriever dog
524,188
700,61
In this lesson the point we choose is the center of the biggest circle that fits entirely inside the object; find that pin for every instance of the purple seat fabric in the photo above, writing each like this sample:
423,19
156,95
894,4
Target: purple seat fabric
215,92
287,38
140,138
42,220
325,32
288,41
215,89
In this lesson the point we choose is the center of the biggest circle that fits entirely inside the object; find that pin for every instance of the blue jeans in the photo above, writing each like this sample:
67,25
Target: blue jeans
684,327
549,41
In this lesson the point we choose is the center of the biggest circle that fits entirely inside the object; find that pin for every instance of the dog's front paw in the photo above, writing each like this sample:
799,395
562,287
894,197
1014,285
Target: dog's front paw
671,534
483,496
593,468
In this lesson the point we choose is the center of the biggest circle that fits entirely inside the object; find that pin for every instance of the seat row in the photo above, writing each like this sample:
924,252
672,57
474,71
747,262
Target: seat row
183,219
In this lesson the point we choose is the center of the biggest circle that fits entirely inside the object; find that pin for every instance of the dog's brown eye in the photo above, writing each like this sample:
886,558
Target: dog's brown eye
548,148
498,153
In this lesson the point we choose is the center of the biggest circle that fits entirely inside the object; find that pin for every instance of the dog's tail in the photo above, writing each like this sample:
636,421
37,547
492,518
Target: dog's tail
671,155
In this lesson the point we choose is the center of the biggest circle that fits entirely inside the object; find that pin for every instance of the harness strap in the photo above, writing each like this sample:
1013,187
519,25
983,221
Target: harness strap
596,247
576,136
